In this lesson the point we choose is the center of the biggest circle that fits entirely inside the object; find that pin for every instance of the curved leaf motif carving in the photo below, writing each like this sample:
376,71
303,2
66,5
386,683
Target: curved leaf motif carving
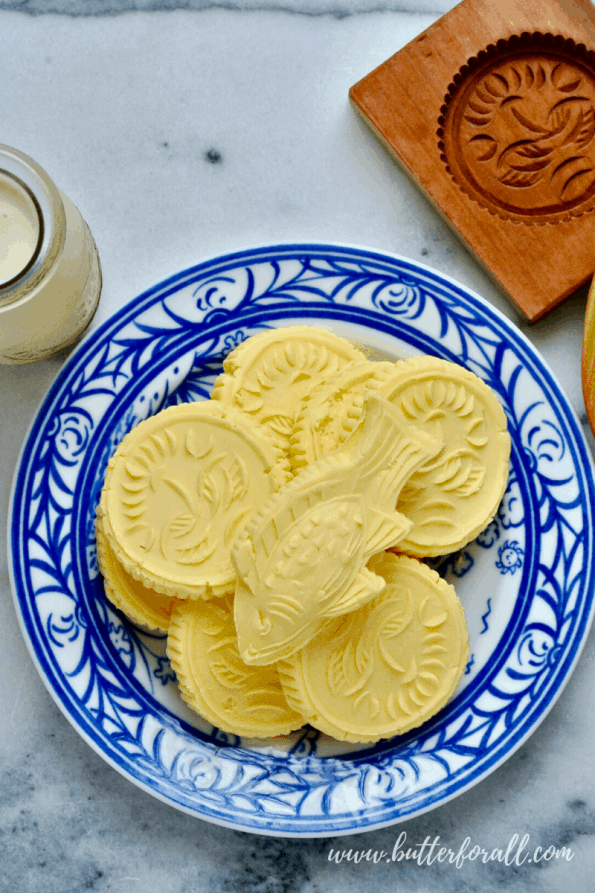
519,130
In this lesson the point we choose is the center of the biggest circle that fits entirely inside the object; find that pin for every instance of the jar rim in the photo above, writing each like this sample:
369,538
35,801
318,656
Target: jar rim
22,271
50,209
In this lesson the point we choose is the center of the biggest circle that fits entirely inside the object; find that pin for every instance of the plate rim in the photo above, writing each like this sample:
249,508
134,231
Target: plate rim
174,283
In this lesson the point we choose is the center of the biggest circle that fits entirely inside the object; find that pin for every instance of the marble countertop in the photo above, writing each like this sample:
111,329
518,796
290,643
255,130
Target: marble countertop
182,130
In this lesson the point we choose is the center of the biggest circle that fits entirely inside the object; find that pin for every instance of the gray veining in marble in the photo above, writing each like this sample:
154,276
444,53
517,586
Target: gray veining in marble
182,135
335,8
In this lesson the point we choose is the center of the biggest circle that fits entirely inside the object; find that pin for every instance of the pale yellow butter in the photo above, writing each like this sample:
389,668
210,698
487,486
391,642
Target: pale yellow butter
333,410
388,667
198,501
270,374
214,681
455,495
140,604
178,489
302,559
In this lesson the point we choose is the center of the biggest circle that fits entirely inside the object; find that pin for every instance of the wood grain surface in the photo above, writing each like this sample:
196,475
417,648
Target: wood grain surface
491,111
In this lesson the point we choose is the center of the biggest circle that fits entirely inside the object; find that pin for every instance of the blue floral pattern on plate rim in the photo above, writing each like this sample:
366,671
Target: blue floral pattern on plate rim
166,346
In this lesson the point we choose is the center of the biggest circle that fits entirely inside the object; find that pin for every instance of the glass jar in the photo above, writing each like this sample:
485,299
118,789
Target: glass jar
50,277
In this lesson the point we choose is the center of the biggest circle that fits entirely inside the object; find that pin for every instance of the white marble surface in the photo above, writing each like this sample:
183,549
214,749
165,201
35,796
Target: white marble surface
182,133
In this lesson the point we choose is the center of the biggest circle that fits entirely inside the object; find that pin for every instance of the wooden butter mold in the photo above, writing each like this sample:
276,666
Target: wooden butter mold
492,112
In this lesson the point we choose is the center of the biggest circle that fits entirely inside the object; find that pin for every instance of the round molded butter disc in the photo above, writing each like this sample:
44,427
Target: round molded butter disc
387,667
141,605
216,683
178,489
455,495
269,374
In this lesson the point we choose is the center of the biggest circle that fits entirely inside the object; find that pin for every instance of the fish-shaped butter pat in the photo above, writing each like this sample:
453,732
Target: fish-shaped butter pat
179,487
269,374
388,667
456,494
140,604
301,560
333,409
216,683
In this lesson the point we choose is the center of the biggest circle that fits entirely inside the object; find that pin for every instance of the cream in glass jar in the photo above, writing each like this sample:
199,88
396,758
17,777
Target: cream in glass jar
50,278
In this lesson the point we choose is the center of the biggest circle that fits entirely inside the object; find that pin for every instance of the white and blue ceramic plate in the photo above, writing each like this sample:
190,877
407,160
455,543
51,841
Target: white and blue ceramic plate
526,583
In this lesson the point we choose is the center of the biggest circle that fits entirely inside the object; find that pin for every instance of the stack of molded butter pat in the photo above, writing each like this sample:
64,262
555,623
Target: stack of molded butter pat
270,531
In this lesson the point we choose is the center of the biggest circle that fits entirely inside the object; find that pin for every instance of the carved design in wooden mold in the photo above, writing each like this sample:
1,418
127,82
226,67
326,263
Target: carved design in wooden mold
517,130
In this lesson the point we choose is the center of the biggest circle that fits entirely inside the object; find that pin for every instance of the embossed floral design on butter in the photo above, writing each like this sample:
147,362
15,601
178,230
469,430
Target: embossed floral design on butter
178,490
183,504
301,559
387,667
141,605
457,493
243,700
270,374
333,409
